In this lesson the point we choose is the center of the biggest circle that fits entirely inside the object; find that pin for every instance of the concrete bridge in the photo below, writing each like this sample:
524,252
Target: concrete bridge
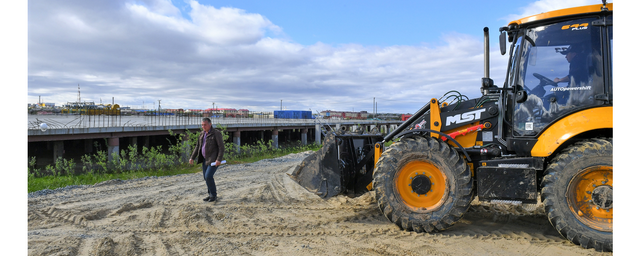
69,135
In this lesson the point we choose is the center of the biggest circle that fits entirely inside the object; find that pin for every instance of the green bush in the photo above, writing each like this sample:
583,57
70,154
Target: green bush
129,164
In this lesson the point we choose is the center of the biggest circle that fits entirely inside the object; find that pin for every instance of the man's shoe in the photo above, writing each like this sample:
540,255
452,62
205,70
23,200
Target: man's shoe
206,199
212,199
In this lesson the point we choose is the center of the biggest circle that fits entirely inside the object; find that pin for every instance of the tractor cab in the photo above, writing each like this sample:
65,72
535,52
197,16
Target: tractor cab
558,66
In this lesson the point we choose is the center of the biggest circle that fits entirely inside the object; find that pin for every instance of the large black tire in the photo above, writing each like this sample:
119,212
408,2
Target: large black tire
422,184
577,193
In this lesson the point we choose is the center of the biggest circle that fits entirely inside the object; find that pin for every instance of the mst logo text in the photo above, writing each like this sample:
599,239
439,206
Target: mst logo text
464,117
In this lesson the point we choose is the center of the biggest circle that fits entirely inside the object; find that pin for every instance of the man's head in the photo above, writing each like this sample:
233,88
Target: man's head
206,124
571,52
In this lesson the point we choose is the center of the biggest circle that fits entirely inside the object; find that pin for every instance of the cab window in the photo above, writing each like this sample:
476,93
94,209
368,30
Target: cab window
560,68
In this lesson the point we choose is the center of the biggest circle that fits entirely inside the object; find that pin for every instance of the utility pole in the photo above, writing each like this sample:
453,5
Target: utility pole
159,107
374,107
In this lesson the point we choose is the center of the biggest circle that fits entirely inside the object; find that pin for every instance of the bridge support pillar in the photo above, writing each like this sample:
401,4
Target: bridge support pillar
318,133
145,142
236,140
58,150
88,146
303,136
134,142
274,138
113,148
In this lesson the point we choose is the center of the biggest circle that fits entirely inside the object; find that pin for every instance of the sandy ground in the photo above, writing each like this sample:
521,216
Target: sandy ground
261,211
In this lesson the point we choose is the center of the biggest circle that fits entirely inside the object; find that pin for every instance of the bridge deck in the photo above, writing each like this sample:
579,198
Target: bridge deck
66,127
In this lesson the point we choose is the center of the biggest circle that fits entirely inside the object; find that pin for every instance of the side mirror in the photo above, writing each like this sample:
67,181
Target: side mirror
521,96
503,43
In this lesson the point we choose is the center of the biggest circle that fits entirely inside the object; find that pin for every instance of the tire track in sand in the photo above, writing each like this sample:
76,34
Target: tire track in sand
261,211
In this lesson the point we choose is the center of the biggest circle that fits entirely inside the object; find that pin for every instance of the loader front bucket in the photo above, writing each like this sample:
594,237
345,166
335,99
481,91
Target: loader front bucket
319,172
344,165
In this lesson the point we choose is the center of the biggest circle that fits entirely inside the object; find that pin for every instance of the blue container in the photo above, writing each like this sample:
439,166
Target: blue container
292,114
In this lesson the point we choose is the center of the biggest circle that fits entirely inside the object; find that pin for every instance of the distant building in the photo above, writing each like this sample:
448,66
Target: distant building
227,112
344,114
263,115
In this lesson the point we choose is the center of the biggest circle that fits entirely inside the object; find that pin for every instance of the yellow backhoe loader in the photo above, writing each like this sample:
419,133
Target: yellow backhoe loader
546,131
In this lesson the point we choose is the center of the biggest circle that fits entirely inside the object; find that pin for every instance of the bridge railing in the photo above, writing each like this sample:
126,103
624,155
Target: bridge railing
69,121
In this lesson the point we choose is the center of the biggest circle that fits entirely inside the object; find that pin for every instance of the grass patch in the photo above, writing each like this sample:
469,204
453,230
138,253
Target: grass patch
53,182
38,182
154,161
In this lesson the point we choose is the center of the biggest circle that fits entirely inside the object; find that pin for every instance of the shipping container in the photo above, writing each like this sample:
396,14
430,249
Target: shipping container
292,114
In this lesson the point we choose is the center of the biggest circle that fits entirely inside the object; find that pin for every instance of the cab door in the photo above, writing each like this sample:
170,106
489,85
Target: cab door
559,70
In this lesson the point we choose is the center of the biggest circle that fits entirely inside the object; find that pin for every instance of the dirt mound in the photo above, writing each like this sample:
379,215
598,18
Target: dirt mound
261,211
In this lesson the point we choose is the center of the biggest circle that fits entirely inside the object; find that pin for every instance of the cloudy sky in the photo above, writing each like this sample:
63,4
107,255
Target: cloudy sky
309,55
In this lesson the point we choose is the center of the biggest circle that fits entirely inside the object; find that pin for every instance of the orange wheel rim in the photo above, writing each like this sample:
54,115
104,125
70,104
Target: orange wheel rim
590,197
421,185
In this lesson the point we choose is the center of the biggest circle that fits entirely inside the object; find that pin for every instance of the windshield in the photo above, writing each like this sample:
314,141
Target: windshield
560,67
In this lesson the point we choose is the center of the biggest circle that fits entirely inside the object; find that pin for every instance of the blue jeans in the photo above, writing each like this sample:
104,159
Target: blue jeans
207,172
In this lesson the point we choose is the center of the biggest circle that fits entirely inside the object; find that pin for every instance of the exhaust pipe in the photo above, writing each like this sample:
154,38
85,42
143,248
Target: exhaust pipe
487,83
486,52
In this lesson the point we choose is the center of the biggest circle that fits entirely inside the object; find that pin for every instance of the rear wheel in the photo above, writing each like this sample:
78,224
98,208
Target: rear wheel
577,192
422,184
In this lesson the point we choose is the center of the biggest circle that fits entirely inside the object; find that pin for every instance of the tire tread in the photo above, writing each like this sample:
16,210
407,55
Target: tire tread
457,204
552,183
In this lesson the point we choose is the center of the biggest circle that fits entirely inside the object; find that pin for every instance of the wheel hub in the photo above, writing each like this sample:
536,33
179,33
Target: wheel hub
590,197
421,184
602,197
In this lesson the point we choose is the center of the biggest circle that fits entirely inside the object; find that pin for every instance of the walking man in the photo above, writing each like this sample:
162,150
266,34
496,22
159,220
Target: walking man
209,151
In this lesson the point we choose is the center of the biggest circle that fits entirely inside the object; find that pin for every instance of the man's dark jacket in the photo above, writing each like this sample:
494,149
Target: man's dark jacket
214,147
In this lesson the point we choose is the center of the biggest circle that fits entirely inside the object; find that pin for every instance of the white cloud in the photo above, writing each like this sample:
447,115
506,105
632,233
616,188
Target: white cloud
163,7
75,23
146,51
229,25
159,18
